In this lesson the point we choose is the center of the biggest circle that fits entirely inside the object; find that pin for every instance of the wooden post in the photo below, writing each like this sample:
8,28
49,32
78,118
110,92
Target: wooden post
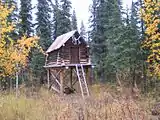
61,81
71,84
48,77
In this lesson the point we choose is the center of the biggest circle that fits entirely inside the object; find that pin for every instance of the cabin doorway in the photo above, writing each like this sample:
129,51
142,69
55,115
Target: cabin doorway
74,55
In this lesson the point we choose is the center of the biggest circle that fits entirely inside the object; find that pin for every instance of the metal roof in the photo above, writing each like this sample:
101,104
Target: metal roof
60,41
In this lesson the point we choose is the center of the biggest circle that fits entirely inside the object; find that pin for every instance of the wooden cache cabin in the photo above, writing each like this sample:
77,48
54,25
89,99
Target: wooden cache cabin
68,62
68,49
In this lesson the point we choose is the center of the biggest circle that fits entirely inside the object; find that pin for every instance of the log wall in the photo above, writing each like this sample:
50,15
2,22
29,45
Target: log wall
63,55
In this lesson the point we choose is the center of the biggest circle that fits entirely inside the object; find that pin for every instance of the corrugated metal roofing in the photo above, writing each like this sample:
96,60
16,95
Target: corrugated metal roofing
60,41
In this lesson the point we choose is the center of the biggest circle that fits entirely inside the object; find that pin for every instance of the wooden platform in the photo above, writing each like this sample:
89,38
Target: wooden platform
66,65
67,76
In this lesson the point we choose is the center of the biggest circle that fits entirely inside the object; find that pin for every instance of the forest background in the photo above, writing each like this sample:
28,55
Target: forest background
124,42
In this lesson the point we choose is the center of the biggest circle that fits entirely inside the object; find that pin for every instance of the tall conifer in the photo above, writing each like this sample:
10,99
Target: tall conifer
83,30
74,20
26,26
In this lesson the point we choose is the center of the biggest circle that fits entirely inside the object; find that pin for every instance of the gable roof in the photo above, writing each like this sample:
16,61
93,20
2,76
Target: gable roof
60,41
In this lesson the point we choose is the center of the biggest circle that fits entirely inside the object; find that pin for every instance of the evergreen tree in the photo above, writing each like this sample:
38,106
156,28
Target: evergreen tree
92,20
144,52
57,15
83,31
44,32
61,17
74,21
98,44
25,17
65,23
43,23
136,53
113,33
115,44
106,29
124,51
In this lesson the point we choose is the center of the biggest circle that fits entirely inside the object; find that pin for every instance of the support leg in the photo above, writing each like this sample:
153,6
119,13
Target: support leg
61,81
48,82
71,83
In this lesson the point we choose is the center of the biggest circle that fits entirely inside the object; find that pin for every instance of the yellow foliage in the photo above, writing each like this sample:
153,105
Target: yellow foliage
13,54
150,15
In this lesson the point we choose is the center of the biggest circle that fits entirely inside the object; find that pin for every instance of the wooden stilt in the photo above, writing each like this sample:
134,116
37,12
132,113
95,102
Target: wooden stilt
61,81
71,82
48,78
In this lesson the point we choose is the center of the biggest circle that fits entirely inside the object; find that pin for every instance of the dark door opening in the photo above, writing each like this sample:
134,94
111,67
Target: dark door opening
74,55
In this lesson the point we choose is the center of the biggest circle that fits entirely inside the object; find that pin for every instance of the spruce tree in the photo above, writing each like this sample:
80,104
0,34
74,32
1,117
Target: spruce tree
135,51
125,44
106,28
74,21
65,23
98,44
57,18
83,30
142,38
93,22
113,33
61,17
26,18
44,23
43,29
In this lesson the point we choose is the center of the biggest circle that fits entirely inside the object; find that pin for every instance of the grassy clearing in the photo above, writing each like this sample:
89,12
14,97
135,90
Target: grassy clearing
105,103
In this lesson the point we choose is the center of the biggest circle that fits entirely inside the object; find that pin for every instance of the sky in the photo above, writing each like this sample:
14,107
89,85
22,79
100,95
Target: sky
82,9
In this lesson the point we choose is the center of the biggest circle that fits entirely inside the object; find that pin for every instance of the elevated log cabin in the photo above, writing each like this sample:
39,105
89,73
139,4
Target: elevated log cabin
68,62
69,48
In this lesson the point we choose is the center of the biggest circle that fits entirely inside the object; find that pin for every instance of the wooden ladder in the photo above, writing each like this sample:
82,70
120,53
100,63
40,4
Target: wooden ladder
82,80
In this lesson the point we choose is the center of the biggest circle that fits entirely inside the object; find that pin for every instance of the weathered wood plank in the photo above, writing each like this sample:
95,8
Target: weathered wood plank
56,79
55,89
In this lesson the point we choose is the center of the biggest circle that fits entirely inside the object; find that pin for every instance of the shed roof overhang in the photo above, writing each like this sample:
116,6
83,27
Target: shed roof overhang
60,41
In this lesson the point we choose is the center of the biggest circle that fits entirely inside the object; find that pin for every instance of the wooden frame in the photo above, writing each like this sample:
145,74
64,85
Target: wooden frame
61,78
67,60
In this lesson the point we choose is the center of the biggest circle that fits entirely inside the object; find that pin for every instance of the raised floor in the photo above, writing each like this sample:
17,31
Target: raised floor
67,65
